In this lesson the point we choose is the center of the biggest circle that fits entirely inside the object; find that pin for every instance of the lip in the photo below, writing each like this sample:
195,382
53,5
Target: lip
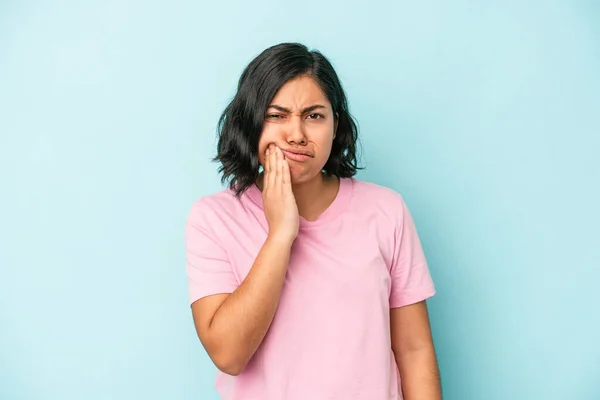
296,155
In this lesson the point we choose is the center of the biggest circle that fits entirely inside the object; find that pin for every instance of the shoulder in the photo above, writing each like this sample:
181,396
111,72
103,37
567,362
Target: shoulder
371,195
205,210
369,188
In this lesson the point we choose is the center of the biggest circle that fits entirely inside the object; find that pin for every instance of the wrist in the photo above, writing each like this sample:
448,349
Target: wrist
280,240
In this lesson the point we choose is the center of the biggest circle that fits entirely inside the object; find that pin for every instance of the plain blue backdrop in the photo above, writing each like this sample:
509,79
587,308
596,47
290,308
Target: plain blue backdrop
484,115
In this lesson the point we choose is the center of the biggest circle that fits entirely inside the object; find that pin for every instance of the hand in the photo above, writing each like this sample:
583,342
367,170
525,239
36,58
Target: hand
280,205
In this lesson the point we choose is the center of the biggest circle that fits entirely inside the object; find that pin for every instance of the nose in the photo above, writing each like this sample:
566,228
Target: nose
295,133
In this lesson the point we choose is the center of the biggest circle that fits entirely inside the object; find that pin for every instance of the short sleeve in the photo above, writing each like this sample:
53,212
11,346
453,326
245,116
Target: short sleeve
207,265
411,279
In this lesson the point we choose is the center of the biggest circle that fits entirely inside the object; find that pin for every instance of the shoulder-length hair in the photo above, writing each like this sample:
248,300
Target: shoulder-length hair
241,123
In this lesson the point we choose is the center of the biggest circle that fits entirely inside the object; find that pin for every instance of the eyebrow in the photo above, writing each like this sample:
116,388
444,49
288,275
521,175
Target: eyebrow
304,111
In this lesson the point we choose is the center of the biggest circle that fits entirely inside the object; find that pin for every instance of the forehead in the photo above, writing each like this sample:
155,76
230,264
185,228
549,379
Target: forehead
300,91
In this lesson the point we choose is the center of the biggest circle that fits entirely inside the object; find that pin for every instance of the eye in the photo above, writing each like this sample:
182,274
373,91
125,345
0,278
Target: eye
315,116
275,116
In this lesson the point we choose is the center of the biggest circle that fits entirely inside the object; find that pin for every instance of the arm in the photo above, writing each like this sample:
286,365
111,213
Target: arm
232,326
414,352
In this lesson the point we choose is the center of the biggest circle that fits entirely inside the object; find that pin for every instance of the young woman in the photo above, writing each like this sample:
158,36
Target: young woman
306,283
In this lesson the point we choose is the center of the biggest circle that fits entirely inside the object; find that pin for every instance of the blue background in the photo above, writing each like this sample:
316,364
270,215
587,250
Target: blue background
484,115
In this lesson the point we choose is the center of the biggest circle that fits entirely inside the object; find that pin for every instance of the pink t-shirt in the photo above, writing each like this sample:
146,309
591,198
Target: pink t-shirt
330,337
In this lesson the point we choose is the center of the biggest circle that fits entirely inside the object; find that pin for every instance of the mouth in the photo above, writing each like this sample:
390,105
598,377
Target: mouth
297,155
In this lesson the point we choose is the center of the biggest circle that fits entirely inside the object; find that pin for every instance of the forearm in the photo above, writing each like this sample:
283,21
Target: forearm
242,321
420,374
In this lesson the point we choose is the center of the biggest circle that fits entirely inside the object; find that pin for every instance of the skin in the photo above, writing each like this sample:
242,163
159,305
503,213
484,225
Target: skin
232,326
300,118
414,352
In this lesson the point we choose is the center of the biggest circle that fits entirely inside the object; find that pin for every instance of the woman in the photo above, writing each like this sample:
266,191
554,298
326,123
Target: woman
306,283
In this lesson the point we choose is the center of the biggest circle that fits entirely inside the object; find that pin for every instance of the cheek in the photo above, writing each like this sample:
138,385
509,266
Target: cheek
263,142
325,148
261,153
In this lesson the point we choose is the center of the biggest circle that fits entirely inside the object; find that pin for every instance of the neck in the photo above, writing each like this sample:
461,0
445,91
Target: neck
309,195
313,196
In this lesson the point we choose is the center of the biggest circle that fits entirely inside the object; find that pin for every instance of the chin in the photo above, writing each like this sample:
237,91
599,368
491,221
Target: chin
298,177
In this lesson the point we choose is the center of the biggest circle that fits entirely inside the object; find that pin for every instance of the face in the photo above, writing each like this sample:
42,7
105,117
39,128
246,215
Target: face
300,121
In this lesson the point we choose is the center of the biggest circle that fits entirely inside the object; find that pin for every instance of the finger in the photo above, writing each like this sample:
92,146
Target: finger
272,166
286,178
276,171
266,170
266,161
